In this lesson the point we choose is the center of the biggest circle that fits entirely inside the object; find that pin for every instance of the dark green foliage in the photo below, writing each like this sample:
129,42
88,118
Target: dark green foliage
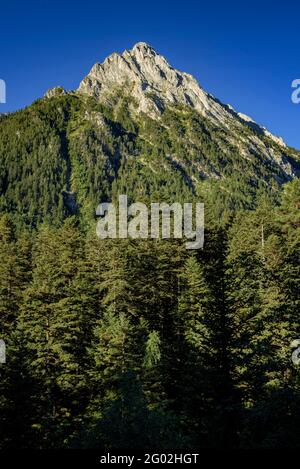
140,343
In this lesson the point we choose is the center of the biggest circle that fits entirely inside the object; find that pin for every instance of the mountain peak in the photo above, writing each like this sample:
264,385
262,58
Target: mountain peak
149,74
142,46
155,84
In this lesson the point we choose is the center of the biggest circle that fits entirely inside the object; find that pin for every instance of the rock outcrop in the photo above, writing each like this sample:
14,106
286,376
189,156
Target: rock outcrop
57,91
154,83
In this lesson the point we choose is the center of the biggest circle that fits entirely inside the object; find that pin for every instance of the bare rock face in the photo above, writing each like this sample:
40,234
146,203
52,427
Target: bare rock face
57,91
155,84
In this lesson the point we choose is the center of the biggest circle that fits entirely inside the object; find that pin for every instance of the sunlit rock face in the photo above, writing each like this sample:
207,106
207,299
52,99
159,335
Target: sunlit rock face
154,84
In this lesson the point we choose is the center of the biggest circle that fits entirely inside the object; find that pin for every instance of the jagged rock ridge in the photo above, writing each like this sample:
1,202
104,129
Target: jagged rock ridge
155,84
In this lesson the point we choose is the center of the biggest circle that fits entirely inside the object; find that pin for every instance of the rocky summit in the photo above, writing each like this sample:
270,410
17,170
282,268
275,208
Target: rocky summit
156,84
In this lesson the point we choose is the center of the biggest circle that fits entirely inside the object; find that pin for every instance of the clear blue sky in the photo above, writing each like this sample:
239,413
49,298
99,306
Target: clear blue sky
245,53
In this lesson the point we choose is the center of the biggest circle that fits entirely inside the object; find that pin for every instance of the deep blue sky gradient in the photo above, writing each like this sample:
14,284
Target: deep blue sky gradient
246,53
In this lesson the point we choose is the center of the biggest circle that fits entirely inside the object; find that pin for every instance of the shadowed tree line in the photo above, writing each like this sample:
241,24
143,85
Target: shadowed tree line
141,343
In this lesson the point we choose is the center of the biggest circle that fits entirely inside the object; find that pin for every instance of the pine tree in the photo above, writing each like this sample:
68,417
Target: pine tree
55,320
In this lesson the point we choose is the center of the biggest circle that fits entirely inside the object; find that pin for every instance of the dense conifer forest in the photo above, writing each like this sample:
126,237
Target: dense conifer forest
142,343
